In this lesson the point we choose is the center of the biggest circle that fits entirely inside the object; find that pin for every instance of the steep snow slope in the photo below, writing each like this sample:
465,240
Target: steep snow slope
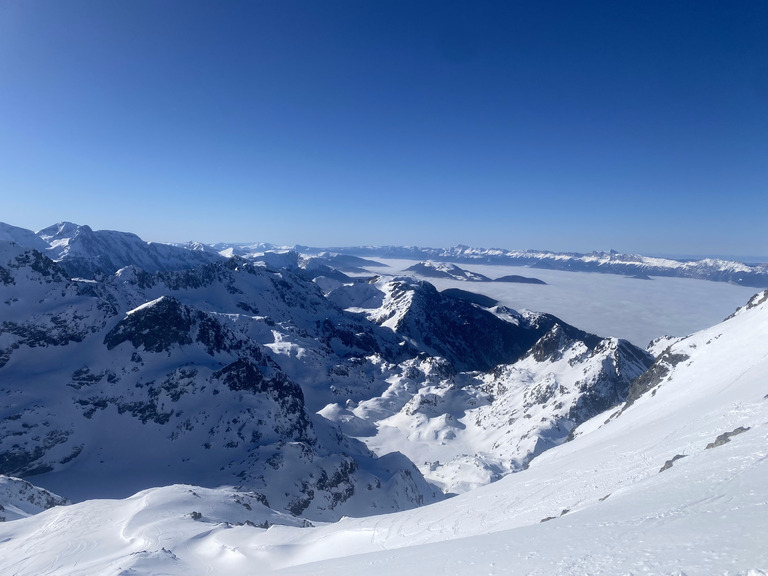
672,484
464,431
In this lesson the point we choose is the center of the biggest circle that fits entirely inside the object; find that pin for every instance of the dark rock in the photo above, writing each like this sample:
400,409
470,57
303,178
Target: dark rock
726,437
156,327
668,464
520,279
479,299
654,376
469,337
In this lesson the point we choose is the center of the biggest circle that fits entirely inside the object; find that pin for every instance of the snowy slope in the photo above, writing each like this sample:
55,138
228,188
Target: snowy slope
272,374
614,500
22,237
465,431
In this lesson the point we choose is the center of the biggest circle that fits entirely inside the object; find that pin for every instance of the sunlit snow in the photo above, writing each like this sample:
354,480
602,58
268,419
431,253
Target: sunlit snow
608,502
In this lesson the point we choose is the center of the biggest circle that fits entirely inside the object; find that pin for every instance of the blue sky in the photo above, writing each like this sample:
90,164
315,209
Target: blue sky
639,126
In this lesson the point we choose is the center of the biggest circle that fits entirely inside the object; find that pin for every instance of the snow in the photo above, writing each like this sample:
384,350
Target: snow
20,499
608,507
466,430
21,236
637,490
145,306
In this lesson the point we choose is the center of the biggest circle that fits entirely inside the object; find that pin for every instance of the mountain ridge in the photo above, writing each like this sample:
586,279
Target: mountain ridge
85,252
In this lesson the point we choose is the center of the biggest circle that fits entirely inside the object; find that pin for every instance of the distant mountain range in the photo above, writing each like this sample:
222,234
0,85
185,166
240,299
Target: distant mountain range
752,275
85,253
448,271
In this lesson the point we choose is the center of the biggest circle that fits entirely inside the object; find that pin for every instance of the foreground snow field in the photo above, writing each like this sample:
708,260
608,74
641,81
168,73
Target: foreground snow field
674,483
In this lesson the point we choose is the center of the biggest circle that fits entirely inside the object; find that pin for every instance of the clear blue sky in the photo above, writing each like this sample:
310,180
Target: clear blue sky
635,125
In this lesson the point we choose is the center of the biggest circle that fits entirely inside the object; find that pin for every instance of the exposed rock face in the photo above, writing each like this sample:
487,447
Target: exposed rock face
468,336
19,499
155,327
725,437
657,373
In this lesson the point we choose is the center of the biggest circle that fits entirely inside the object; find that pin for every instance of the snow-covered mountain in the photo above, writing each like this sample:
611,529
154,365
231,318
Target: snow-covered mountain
496,388
311,390
118,385
220,369
450,271
754,275
84,252
672,482
431,269
22,237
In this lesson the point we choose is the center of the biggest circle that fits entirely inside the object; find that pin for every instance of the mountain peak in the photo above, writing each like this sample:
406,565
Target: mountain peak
58,231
